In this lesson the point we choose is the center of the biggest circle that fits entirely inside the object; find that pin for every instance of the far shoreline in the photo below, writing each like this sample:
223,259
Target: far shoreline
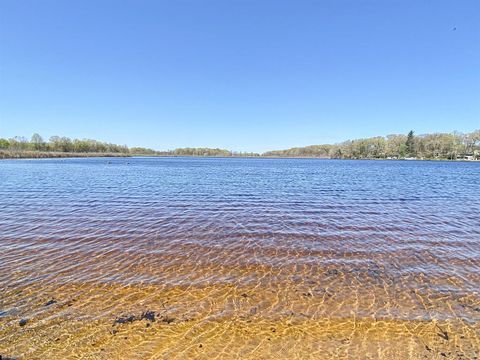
33,155
14,155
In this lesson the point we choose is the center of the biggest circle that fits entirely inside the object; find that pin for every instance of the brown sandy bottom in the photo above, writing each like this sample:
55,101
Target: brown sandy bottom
94,321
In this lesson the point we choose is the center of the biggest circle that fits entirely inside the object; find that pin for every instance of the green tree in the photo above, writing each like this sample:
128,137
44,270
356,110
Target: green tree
410,144
4,144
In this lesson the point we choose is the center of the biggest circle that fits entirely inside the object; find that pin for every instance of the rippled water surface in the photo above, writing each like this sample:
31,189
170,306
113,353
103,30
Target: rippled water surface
178,258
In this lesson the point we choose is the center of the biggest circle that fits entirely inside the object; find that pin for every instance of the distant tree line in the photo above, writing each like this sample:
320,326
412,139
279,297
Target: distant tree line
205,152
60,144
429,146
37,144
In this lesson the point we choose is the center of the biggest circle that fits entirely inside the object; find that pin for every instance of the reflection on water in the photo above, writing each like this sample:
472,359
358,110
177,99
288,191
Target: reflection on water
239,258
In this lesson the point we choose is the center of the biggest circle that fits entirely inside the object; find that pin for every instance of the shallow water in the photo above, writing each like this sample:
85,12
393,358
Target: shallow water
239,258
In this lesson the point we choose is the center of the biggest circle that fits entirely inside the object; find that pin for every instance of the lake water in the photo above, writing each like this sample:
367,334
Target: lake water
165,258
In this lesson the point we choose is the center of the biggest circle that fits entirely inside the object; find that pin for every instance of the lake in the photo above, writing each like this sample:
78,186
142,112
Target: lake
173,258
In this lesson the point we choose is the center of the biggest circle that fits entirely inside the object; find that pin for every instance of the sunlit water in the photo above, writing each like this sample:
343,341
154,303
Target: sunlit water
173,258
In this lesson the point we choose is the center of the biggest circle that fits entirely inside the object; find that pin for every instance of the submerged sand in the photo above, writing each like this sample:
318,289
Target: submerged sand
104,321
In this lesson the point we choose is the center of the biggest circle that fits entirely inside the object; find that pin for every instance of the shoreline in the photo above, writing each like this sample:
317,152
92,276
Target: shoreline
32,155
13,155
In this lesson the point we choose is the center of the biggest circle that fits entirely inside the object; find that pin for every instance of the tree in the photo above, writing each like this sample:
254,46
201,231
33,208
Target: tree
19,143
410,144
4,144
54,143
37,142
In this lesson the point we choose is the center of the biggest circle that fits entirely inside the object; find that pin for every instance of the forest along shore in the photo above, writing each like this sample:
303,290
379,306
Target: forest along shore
436,146
5,155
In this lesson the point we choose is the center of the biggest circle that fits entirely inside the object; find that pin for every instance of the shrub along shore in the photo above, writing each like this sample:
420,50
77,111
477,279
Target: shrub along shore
436,146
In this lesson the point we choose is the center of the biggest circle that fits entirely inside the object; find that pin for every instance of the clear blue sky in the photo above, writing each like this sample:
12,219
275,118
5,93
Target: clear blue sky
238,74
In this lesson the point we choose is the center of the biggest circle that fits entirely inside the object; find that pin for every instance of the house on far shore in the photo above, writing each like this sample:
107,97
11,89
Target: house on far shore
468,157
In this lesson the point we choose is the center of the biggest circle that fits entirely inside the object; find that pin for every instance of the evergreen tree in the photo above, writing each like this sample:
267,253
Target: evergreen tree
410,144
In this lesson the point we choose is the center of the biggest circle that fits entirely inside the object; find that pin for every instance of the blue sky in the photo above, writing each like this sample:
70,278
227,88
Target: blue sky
245,75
